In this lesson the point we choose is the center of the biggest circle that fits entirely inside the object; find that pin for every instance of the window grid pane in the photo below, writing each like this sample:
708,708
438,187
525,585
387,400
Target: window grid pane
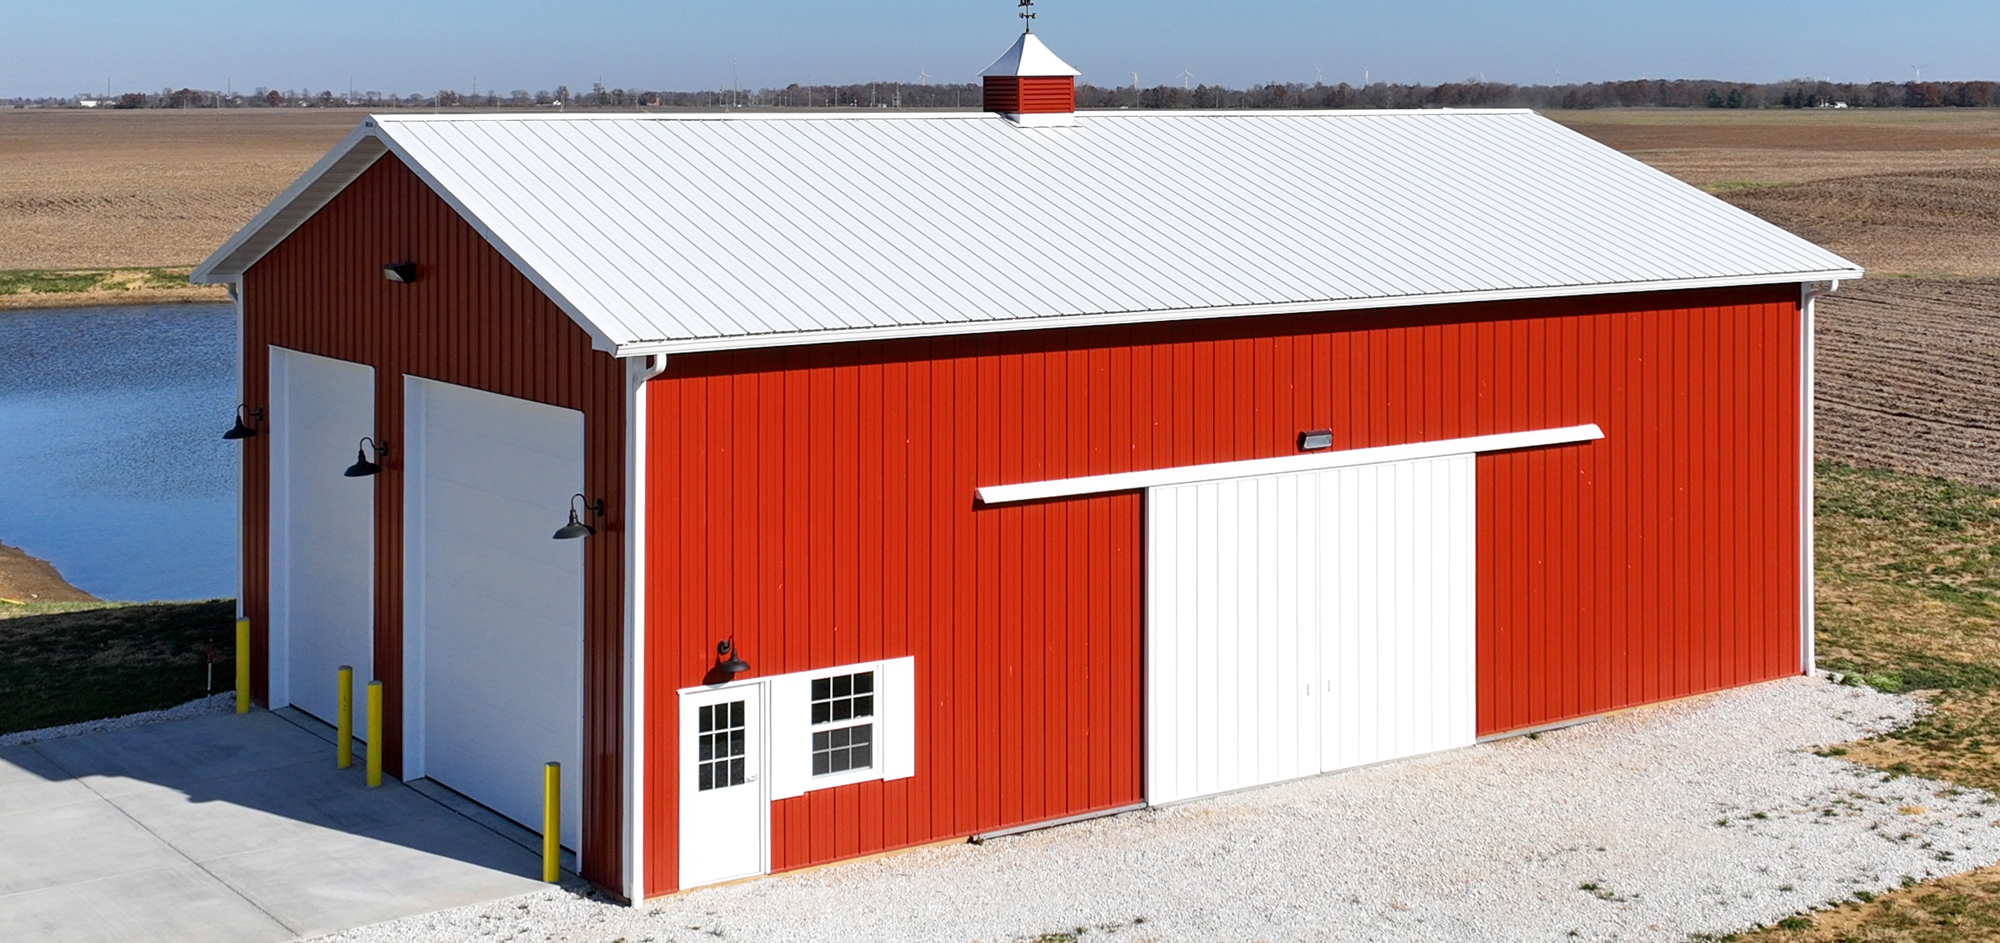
722,739
849,701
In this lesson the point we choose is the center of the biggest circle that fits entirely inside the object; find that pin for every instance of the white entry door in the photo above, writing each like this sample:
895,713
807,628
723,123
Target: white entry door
322,561
725,815
1307,622
493,624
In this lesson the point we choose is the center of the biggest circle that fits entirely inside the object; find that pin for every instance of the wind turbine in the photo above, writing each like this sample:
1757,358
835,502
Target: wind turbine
1135,89
1186,78
1319,76
1364,76
923,78
1920,72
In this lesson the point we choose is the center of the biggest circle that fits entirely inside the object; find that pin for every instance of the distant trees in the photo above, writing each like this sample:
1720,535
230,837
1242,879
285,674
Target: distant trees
1470,93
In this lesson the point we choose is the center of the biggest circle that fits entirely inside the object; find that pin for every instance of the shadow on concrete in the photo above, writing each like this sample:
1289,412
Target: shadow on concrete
235,827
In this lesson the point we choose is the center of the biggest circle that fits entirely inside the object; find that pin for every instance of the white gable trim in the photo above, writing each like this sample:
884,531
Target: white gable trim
1313,461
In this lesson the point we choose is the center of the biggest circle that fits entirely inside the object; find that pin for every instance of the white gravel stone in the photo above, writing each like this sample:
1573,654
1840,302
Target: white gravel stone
212,704
1495,842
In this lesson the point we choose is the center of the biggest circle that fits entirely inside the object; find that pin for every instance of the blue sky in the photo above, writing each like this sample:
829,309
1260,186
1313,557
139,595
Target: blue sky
62,47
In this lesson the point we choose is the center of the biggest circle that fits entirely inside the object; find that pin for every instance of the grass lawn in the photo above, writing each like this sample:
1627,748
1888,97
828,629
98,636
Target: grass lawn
1909,600
64,662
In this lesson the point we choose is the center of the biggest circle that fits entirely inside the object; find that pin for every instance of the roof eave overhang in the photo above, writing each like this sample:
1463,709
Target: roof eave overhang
946,329
325,180
283,216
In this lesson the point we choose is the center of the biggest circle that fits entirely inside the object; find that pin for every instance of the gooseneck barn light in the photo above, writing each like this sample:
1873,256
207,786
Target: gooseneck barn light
242,430
735,665
401,273
362,467
576,528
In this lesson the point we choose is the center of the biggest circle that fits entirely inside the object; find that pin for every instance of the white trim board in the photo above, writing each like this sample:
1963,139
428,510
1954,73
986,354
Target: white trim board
1217,471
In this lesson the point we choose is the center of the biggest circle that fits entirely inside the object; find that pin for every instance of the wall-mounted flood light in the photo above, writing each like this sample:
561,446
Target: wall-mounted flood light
400,272
1313,440
735,665
576,528
242,430
362,467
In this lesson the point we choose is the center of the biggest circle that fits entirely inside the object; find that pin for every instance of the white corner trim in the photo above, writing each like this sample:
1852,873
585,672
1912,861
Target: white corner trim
1133,481
638,372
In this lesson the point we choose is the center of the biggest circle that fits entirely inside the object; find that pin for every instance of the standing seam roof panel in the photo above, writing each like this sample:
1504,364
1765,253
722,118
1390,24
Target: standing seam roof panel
670,229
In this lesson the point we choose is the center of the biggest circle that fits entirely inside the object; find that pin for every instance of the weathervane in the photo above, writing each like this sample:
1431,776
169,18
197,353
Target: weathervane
1027,16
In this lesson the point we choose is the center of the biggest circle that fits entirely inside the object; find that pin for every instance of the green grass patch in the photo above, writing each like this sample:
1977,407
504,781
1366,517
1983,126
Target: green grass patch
61,663
47,281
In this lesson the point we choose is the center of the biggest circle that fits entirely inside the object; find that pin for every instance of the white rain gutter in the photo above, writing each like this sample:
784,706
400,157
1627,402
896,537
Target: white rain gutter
638,370
1808,297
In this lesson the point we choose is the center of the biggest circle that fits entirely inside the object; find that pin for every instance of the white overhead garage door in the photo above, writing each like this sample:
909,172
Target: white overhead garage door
493,641
1307,622
322,532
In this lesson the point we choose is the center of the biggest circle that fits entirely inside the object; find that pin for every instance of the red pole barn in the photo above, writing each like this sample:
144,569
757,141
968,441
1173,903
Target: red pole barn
940,475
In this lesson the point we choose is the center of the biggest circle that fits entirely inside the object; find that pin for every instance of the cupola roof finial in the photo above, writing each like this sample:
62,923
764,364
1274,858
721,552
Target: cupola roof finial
1027,16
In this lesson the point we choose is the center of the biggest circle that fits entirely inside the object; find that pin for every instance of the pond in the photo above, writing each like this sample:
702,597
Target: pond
112,462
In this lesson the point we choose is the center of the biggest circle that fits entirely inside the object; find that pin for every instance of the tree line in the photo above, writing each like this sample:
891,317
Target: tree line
1638,93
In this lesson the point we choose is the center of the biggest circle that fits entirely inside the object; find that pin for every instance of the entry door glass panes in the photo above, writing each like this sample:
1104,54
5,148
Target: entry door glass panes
719,760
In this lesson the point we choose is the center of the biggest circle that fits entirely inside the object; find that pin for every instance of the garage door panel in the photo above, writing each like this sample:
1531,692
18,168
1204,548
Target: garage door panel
499,610
322,530
1306,622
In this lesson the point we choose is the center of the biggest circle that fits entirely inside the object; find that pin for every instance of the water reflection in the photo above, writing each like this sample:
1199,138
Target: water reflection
112,462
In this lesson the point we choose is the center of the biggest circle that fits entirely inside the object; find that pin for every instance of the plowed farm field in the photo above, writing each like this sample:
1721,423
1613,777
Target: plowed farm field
103,190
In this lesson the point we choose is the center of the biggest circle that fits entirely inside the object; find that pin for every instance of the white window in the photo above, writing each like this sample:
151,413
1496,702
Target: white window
842,724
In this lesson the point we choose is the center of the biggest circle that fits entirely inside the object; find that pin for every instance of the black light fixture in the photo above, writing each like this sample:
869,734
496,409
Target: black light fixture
362,467
735,665
241,430
576,528
1313,440
401,273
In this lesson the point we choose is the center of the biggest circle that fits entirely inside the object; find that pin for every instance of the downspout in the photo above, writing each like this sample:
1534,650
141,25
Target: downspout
1808,298
638,370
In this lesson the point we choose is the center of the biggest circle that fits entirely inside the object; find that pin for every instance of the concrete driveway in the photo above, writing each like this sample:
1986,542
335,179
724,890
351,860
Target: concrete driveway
229,828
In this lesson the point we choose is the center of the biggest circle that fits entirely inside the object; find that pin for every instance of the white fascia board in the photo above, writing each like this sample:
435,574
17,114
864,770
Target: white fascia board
949,328
267,229
1285,464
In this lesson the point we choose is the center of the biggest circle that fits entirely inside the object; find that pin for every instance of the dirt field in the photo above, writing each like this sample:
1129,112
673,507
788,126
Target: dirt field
1903,192
86,189
1908,378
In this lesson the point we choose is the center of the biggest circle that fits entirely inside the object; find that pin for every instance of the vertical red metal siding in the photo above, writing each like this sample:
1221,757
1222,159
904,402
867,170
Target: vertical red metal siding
472,319
818,504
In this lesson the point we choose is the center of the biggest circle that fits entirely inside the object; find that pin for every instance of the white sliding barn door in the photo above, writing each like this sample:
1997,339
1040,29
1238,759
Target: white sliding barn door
322,533
1306,622
493,625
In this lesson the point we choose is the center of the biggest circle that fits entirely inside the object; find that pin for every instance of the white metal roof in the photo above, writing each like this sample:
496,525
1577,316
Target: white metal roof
664,233
1029,57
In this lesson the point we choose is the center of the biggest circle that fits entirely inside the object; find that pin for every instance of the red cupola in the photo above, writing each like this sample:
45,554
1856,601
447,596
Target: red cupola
1030,86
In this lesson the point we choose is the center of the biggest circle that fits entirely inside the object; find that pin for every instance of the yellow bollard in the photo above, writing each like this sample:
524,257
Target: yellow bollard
551,822
343,744
243,666
374,734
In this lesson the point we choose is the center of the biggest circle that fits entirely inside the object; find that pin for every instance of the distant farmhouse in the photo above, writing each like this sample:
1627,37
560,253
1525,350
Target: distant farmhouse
817,485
